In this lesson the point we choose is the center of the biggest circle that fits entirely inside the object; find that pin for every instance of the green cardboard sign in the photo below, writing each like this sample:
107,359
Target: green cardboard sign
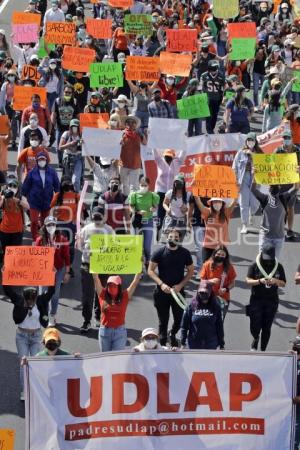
42,52
296,84
106,75
193,107
138,24
242,48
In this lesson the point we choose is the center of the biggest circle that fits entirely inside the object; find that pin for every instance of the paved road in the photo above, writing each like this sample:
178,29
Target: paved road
141,312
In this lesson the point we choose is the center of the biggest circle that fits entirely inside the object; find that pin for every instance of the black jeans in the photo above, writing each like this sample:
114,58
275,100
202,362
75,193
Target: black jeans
239,127
10,239
163,302
161,212
214,107
88,294
262,313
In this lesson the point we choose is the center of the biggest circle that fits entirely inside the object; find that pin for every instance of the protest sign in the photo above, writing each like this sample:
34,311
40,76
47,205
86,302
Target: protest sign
296,42
111,254
4,125
100,142
106,74
121,400
25,33
175,64
19,17
23,94
272,139
61,33
99,28
167,133
122,4
214,181
242,48
78,59
30,73
142,68
226,9
276,168
193,107
29,266
7,439
296,83
241,30
212,26
138,24
93,120
182,40
42,51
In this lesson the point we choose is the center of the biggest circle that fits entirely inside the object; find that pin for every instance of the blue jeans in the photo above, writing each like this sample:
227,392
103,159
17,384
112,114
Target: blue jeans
147,232
248,202
73,168
258,79
112,339
278,243
198,237
144,118
51,97
59,276
28,344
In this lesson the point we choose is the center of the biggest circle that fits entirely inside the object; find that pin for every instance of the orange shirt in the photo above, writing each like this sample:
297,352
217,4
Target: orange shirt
120,39
216,233
28,155
12,220
67,211
208,272
4,140
113,316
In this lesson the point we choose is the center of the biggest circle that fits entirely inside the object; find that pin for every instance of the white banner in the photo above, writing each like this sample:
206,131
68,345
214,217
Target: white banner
101,142
167,133
161,401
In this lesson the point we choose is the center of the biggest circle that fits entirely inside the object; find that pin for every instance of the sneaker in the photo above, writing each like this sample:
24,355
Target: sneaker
290,234
52,320
254,345
97,323
173,340
86,326
22,397
244,229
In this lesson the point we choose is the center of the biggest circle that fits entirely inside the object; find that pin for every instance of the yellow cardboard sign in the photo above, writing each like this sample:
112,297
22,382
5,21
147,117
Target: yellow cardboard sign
276,168
226,9
116,254
212,180
7,439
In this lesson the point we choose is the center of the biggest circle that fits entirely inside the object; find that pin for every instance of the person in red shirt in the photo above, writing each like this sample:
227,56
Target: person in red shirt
169,89
113,302
41,112
50,237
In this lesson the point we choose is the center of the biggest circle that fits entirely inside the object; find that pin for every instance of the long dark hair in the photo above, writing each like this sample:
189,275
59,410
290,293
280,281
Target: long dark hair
222,215
50,74
226,262
183,189
108,299
60,197
274,101
46,236
238,100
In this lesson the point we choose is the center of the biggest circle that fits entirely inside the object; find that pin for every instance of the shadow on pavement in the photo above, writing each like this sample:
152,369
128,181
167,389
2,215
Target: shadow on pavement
10,392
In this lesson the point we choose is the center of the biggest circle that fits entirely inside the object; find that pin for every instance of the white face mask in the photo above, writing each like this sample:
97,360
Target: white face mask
11,78
74,130
113,123
33,122
26,46
42,164
170,81
14,190
51,229
121,105
34,143
54,7
88,41
144,189
53,66
217,206
150,343
250,144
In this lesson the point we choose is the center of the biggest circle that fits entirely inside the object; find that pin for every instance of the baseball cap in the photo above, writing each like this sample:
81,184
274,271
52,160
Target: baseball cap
156,90
251,136
41,155
115,279
50,220
51,334
148,331
275,48
215,199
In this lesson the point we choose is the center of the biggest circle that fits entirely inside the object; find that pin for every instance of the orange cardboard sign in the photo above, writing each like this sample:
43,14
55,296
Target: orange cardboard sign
19,17
142,68
241,30
212,180
123,4
23,94
7,439
4,129
93,120
29,266
175,64
60,33
78,59
182,40
99,28
30,73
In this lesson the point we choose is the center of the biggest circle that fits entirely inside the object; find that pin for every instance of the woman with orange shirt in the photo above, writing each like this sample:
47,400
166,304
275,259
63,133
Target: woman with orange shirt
119,43
113,302
221,274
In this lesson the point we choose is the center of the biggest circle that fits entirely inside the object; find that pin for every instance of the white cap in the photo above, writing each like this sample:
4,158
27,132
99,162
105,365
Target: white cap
148,331
2,31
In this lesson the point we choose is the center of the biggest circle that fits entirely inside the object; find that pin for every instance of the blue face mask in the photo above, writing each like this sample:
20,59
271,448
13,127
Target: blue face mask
35,105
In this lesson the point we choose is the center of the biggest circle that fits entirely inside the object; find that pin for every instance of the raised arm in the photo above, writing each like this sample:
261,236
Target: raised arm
98,284
133,285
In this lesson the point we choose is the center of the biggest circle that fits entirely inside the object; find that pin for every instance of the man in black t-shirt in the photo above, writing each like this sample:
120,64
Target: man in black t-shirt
171,261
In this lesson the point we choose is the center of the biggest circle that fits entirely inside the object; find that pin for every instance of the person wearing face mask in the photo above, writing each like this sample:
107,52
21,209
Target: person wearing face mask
142,97
212,83
12,207
122,108
170,88
200,62
33,126
113,301
149,341
64,207
119,43
167,269
275,58
27,157
243,167
52,79
260,10
81,84
143,203
70,145
52,342
6,103
51,237
274,212
284,13
137,47
216,218
22,52
195,125
32,7
202,325
221,274
95,106
159,107
97,225
53,14
238,113
117,208
264,277
39,187
30,313
274,108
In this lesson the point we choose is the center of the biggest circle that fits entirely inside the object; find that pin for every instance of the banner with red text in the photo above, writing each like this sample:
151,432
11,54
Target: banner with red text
161,400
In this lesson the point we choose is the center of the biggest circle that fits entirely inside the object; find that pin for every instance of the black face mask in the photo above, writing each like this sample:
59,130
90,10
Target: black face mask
52,346
168,159
202,296
205,50
114,187
219,259
157,98
67,188
172,243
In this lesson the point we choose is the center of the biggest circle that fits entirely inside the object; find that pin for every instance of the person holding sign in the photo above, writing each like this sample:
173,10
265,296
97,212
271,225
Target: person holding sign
53,14
71,147
142,96
6,103
30,313
238,113
113,302
52,79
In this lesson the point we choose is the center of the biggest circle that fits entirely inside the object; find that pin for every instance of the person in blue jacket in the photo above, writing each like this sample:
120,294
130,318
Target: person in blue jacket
201,323
39,187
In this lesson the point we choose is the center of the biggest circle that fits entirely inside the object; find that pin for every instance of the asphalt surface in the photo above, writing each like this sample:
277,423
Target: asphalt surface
141,313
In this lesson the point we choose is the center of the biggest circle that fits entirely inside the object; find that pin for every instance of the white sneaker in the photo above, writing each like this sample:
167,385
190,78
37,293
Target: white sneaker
22,397
244,229
52,321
